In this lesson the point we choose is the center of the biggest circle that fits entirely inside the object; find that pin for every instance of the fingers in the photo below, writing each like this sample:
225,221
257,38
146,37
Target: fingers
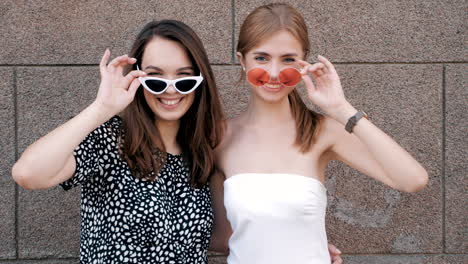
337,260
335,254
131,76
333,249
303,63
317,69
133,88
104,60
327,63
119,62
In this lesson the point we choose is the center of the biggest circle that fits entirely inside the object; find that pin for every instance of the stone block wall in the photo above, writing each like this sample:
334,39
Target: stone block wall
403,62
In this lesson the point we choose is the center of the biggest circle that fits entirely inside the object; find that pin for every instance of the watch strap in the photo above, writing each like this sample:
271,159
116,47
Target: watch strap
352,121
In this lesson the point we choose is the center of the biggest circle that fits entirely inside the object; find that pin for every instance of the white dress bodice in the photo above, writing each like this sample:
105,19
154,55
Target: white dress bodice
276,219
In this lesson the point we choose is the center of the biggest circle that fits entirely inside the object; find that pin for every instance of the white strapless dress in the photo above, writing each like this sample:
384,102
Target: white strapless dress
276,219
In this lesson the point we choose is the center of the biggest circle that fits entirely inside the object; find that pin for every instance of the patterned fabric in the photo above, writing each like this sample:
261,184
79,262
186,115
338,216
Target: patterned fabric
129,220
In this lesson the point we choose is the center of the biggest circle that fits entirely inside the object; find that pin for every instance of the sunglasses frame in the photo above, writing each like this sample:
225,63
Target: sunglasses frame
198,79
269,75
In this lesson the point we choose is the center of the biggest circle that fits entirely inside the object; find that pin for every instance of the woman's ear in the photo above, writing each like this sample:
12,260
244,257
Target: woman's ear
240,57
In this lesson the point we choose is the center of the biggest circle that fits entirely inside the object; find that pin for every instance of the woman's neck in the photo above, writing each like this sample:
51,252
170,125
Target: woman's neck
168,131
261,113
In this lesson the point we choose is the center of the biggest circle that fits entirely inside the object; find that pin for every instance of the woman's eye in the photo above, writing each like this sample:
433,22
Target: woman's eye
154,73
289,60
186,73
260,58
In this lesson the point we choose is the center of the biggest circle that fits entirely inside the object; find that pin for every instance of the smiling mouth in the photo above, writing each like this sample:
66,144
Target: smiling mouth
272,86
170,101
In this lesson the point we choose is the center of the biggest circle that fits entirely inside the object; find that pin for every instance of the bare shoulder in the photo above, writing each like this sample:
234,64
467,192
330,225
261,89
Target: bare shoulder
231,125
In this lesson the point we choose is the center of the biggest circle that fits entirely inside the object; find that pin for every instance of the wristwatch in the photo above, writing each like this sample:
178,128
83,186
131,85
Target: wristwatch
352,121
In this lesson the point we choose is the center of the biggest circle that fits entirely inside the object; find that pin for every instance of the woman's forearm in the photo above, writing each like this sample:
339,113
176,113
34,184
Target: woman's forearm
399,166
41,164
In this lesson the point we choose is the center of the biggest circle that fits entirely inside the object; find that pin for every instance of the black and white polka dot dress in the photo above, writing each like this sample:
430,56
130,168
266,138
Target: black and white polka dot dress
128,220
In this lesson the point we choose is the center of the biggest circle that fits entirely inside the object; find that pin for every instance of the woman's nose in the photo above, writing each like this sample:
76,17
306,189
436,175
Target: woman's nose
274,71
171,89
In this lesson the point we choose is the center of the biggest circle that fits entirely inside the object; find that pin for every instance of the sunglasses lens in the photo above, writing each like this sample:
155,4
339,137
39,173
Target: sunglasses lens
290,77
156,85
258,77
185,85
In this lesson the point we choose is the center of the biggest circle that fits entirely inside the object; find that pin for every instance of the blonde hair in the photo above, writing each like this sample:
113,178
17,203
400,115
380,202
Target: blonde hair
263,22
268,19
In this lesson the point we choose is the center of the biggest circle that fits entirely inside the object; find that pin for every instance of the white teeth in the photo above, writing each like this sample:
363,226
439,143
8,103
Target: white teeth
170,102
273,86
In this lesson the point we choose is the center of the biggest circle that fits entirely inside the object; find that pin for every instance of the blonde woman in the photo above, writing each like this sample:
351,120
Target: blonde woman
271,163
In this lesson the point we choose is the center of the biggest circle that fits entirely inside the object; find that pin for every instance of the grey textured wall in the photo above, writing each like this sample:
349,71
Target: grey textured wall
401,61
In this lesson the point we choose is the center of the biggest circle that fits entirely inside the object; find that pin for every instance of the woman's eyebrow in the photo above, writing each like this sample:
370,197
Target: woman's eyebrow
190,68
289,55
153,67
261,53
292,54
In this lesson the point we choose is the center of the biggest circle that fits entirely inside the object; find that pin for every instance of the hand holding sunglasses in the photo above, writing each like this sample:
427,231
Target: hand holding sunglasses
183,85
327,92
116,91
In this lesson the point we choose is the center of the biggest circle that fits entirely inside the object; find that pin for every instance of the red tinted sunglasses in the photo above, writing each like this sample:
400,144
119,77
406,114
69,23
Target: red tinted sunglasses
287,76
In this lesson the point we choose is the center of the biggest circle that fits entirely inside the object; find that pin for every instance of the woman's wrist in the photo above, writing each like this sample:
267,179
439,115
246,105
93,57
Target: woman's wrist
100,112
343,113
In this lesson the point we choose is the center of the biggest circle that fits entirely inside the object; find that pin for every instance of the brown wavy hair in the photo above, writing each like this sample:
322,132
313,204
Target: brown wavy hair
263,22
201,128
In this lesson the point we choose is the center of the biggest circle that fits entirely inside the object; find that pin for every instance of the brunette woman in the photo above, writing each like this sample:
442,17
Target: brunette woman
143,174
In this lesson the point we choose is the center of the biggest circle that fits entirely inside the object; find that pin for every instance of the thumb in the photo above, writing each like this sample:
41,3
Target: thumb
308,83
133,88
131,77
